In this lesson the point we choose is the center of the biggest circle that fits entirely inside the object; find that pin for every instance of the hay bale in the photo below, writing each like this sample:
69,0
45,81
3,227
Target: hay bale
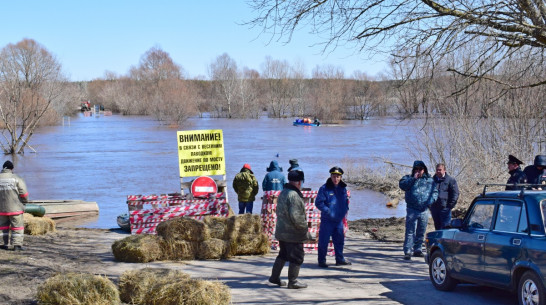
198,291
220,227
137,286
248,224
183,228
251,244
167,287
138,249
180,249
213,248
78,289
38,225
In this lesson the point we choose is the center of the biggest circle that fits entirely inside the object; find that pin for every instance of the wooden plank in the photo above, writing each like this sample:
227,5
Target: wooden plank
67,208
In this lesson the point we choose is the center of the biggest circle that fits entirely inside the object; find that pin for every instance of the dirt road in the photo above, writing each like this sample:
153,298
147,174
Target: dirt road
378,275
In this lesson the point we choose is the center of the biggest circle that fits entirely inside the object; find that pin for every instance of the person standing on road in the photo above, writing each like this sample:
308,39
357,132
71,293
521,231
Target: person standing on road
420,192
448,194
333,203
291,231
13,196
274,179
536,173
517,176
246,187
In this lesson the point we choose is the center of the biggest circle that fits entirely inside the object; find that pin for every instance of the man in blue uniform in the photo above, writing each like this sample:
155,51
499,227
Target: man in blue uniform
333,204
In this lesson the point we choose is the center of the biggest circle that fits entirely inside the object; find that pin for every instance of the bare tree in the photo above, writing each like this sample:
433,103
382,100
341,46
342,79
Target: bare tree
278,95
223,71
30,82
502,29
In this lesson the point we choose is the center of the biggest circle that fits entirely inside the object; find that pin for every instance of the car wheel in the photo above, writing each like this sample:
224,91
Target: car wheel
530,289
439,274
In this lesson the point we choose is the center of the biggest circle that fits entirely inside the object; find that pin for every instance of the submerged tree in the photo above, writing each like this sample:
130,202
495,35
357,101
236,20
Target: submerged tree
30,82
503,30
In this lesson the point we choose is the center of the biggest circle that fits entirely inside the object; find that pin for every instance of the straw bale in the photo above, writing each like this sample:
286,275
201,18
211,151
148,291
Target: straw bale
220,227
249,224
250,244
38,225
78,289
168,287
213,248
183,228
138,249
197,291
136,286
180,249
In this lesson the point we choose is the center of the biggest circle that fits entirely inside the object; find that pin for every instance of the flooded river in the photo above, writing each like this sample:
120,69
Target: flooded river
104,159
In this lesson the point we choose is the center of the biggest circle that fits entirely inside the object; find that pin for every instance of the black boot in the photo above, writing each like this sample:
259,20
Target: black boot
293,272
275,277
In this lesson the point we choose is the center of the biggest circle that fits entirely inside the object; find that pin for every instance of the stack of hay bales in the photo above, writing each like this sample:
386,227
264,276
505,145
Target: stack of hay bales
38,225
164,286
78,289
186,239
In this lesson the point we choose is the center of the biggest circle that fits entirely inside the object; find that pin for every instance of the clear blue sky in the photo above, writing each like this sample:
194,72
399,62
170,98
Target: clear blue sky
91,37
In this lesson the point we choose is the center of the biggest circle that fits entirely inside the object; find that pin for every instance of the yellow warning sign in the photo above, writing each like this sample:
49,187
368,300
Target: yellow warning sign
201,153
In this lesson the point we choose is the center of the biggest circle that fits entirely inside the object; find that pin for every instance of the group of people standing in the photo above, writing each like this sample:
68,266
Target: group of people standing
292,227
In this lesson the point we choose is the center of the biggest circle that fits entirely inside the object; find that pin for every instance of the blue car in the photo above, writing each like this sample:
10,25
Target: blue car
501,242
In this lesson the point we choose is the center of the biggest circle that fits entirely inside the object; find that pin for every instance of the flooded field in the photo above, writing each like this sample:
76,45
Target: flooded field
104,159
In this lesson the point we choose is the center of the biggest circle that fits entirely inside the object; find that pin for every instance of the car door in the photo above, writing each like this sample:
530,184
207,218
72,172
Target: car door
468,247
504,243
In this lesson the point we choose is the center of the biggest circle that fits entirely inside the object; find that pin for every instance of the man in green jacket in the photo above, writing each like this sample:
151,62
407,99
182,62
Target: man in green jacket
291,231
13,194
246,187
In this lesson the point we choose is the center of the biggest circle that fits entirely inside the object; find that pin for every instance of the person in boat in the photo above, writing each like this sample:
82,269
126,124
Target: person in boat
274,179
291,231
13,196
536,173
316,122
517,176
333,203
246,187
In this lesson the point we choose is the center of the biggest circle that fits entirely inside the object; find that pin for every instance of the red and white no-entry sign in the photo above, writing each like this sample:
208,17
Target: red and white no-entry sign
203,186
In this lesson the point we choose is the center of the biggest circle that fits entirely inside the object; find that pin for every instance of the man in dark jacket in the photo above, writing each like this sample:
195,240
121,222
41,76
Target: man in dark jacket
294,165
246,187
333,204
536,173
421,192
448,193
13,195
517,176
291,231
274,179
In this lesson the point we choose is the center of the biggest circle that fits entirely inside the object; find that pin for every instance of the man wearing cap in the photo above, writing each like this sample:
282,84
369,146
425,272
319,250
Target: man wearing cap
536,173
13,195
517,176
274,180
246,187
291,231
420,192
294,165
333,204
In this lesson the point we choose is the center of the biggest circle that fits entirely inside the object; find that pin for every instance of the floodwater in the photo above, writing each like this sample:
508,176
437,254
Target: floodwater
104,159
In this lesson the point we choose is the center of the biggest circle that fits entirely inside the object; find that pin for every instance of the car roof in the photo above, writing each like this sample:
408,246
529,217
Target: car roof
535,195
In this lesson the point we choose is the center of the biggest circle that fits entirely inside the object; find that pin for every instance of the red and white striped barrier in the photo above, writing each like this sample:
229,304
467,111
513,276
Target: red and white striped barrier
269,219
145,221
